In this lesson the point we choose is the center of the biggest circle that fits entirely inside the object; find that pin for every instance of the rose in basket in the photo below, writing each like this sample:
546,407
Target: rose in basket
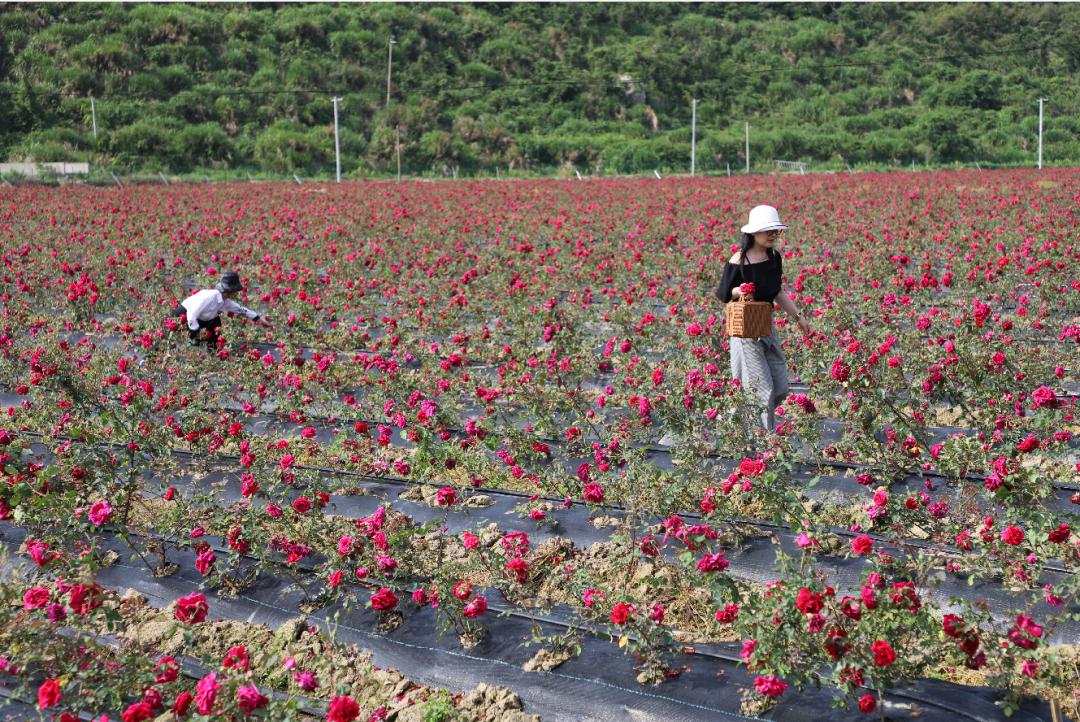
747,290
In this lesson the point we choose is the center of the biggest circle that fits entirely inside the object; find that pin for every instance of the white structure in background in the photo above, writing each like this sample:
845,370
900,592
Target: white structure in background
36,169
1041,101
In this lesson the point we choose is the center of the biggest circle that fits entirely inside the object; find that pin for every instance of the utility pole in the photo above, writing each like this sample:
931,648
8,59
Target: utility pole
337,141
397,147
693,136
747,147
1041,101
389,64
93,116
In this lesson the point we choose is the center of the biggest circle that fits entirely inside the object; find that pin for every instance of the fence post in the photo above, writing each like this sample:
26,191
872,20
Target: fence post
118,183
297,179
748,147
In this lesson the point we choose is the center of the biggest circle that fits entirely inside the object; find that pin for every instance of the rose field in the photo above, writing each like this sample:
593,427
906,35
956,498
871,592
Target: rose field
487,460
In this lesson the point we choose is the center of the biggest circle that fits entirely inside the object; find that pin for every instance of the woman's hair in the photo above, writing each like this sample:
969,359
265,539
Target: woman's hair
746,244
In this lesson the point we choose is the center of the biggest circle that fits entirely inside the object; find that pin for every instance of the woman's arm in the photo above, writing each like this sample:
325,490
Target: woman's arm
729,288
784,301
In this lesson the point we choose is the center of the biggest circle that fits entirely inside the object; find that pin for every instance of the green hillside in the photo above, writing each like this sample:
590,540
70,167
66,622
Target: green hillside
601,87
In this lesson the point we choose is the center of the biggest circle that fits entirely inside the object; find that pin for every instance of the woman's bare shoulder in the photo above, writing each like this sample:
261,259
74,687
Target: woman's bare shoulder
736,258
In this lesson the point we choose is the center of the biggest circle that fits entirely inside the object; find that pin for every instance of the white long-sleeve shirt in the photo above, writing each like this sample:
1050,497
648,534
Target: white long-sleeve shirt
208,304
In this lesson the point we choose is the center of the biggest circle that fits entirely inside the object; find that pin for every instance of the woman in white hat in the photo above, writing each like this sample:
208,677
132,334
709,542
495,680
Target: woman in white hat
755,273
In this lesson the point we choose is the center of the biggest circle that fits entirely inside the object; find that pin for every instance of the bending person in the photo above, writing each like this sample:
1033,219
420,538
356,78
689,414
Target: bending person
202,310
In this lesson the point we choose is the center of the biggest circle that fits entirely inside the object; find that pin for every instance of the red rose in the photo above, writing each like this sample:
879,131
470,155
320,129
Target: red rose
808,602
728,614
301,505
383,600
343,709
236,657
445,496
1012,535
138,712
1029,444
85,598
620,613
167,670
593,493
751,467
952,625
851,608
1059,535
840,371
862,545
694,329
884,655
48,693
191,609
183,701
462,590
747,289
867,703
476,607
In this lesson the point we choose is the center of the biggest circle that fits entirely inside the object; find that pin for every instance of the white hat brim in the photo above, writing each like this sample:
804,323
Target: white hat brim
766,227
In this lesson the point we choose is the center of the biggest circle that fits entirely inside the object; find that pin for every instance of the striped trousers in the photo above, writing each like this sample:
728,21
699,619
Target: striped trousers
760,366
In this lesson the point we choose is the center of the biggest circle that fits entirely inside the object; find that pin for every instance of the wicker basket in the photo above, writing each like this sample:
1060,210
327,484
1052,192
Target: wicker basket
749,319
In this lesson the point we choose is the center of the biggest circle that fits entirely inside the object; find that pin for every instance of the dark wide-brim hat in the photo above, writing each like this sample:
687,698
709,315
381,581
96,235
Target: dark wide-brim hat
230,283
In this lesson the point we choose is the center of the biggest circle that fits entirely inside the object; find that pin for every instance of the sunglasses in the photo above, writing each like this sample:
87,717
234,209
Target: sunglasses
775,232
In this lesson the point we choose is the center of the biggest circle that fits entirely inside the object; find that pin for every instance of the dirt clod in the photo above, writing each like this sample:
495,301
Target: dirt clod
546,659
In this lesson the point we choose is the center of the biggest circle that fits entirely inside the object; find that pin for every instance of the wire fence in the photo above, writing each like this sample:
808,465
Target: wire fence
103,176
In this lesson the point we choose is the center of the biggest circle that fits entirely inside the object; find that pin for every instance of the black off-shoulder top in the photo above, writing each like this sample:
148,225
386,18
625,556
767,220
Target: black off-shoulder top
765,276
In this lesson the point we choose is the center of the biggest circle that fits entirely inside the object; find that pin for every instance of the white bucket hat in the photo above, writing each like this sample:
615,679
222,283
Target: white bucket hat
763,218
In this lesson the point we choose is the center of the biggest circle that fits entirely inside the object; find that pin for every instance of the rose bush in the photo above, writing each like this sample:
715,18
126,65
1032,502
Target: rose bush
551,348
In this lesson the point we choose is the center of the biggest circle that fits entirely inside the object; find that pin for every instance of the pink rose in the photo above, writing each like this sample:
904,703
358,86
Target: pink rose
249,699
35,598
206,693
770,686
192,608
100,512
